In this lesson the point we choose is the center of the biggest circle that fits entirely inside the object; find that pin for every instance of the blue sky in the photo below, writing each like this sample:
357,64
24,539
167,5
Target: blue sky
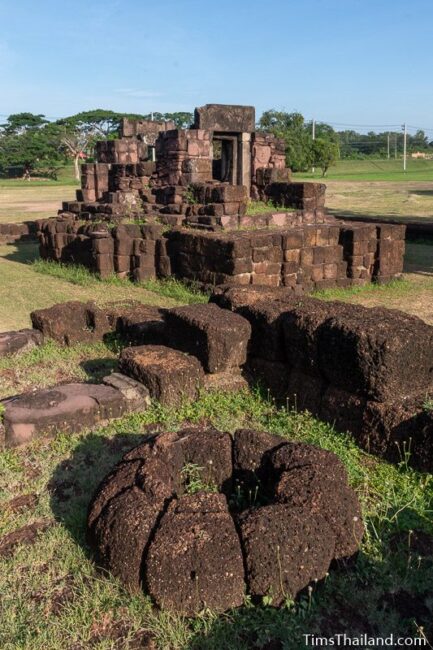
342,61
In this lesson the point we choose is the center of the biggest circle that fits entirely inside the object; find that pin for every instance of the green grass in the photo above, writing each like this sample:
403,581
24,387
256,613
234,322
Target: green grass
374,170
51,363
65,176
94,608
395,287
264,207
194,479
26,286
177,290
81,276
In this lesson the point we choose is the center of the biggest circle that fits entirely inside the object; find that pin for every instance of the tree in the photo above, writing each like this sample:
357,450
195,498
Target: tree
292,129
418,142
325,153
19,123
182,119
80,132
74,142
29,146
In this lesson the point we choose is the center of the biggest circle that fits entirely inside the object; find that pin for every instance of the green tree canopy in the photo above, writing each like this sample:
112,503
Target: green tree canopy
324,154
19,123
30,146
182,119
291,128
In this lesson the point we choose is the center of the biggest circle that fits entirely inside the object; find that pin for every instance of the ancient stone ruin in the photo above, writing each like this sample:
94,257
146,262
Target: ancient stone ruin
162,202
260,515
365,371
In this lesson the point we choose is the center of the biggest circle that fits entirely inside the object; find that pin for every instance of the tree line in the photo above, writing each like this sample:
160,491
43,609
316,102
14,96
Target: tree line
31,144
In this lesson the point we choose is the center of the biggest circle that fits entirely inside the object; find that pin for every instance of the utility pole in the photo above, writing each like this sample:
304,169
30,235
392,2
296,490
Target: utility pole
395,146
404,145
388,144
314,137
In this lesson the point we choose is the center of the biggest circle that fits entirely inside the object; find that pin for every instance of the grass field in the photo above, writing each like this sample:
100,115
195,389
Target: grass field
36,199
375,170
381,200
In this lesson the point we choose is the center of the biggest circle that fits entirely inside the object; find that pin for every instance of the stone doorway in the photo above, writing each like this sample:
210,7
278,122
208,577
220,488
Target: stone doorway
225,158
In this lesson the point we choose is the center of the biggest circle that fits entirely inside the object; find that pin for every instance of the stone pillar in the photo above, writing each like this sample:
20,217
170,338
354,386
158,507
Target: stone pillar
244,160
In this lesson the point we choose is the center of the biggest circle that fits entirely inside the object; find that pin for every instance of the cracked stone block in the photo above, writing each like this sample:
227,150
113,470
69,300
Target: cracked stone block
19,341
170,375
217,337
66,408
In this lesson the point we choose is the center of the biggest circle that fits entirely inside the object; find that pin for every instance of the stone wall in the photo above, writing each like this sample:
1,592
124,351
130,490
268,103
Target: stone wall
145,130
183,157
268,163
364,370
10,232
225,118
302,257
152,154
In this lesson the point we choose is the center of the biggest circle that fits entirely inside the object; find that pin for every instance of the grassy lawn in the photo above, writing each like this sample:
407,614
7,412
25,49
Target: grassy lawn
413,294
375,170
28,283
378,188
52,364
35,199
381,200
53,597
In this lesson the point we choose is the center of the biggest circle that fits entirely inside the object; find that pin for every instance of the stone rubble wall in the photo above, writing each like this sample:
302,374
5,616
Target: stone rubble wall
184,157
268,163
303,257
366,371
10,232
145,130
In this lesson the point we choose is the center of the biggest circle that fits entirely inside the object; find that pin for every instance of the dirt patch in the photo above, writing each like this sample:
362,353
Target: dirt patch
119,633
380,199
21,502
27,535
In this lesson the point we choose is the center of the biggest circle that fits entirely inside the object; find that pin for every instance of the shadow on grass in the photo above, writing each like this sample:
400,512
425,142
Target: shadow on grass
422,192
97,369
419,257
24,252
351,215
75,480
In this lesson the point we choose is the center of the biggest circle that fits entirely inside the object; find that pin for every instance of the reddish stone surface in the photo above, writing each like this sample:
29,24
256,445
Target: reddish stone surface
19,341
217,337
205,549
169,375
